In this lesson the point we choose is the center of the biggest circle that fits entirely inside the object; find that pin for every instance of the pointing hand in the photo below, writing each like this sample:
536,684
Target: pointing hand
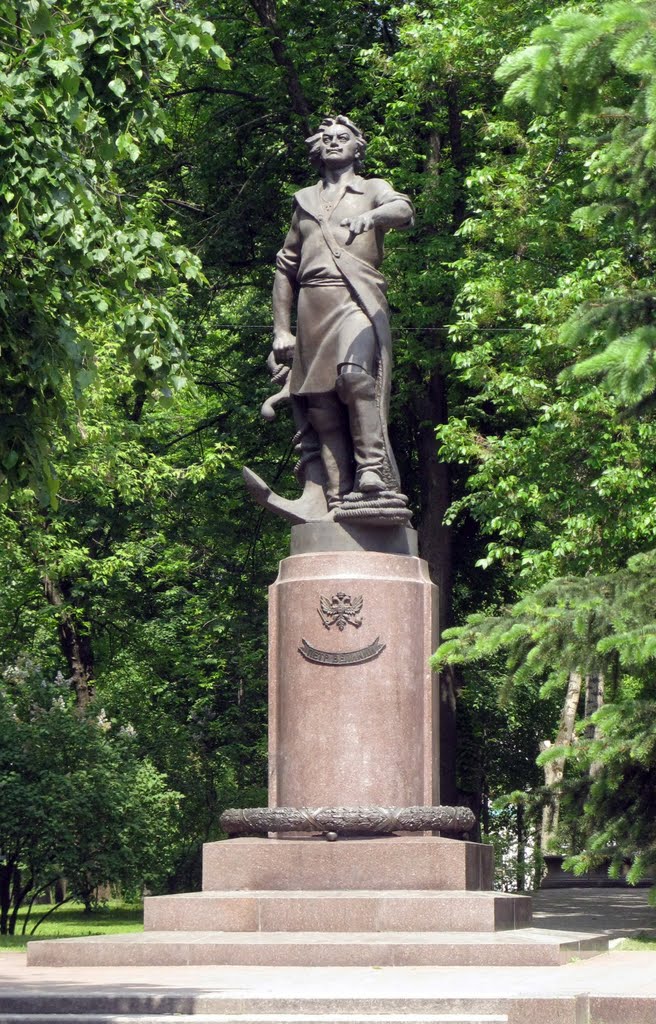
356,225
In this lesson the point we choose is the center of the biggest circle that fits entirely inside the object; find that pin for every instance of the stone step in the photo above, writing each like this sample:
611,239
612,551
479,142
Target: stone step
380,862
461,996
523,947
581,1009
73,1004
254,1018
338,911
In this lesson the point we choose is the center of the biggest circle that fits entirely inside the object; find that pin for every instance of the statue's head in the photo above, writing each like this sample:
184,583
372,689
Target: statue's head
321,142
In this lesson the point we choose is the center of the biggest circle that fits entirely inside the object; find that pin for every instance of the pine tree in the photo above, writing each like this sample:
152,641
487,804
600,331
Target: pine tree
600,69
602,626
596,74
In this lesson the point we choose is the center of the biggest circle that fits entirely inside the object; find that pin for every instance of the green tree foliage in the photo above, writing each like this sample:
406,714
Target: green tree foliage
600,626
75,800
600,69
135,589
614,811
147,583
594,624
562,481
80,95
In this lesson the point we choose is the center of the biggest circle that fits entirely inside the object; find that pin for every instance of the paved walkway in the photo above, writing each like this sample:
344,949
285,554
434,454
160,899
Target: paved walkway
618,912
615,973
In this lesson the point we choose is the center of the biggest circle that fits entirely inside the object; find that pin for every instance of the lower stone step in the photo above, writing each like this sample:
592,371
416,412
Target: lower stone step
532,947
338,911
467,998
255,1018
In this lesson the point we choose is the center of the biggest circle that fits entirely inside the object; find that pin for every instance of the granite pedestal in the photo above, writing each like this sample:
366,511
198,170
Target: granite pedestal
353,729
395,901
345,731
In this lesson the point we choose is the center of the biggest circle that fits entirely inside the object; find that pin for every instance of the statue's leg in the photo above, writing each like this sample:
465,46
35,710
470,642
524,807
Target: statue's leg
326,414
357,390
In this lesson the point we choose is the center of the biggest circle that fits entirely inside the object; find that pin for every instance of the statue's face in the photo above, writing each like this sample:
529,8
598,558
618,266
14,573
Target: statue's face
339,146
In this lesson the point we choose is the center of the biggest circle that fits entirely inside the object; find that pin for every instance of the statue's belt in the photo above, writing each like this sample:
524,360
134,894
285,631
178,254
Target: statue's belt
323,282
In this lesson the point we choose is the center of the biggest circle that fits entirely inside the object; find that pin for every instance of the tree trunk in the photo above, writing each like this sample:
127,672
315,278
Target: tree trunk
11,896
458,155
75,645
5,897
521,850
429,407
18,895
554,770
485,811
268,17
594,699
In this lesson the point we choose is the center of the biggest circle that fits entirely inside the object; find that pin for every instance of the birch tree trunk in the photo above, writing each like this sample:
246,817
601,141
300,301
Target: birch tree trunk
554,770
594,699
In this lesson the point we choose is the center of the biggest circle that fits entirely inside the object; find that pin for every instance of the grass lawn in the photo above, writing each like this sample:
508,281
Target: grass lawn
70,921
643,940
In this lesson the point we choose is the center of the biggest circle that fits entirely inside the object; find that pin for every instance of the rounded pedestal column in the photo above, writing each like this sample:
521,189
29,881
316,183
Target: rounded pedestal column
353,706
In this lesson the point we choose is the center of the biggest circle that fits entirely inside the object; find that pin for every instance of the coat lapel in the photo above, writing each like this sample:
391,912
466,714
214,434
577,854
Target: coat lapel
308,200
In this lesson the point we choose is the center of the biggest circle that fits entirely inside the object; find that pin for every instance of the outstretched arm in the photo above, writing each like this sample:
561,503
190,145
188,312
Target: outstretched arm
395,214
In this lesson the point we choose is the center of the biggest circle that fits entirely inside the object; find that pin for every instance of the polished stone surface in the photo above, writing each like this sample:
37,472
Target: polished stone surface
387,862
338,911
523,947
354,734
613,988
308,538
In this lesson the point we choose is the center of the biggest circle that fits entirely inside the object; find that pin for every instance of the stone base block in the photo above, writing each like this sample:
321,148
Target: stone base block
387,862
636,1009
354,911
529,947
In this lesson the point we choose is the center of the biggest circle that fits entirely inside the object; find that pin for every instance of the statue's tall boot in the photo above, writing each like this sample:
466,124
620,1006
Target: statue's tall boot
357,389
327,418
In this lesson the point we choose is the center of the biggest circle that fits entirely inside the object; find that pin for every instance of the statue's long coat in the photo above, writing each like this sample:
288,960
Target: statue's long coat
341,291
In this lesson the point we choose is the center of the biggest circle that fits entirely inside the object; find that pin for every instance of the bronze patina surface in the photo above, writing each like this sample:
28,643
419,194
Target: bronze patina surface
347,820
336,369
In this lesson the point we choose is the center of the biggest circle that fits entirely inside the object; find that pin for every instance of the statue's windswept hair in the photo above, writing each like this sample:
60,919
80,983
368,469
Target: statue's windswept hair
314,141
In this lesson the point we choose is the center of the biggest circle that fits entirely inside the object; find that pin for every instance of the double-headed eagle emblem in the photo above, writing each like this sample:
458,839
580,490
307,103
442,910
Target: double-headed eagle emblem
341,610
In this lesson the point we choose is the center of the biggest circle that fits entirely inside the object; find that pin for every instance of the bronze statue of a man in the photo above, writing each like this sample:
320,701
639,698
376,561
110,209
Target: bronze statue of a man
341,355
